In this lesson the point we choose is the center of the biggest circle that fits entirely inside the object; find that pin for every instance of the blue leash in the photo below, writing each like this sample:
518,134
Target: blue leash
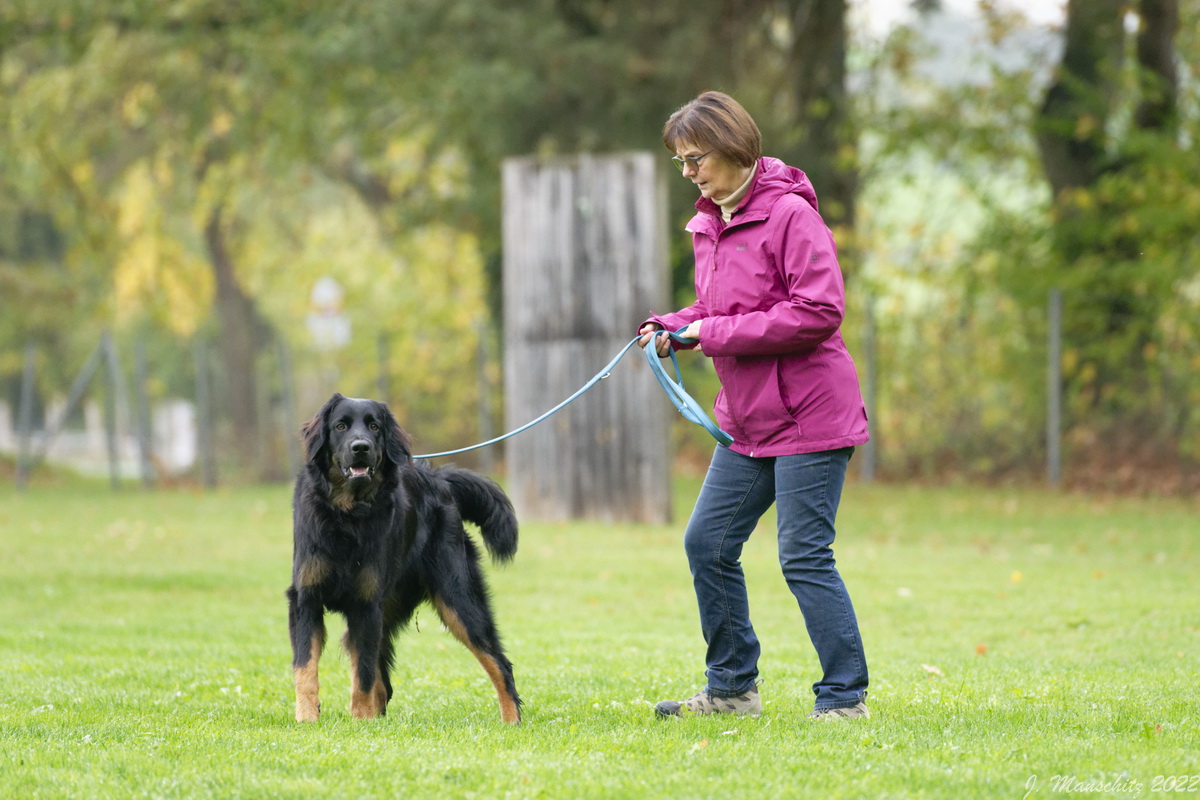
683,401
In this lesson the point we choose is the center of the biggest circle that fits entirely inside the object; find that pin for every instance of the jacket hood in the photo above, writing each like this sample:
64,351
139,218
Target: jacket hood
772,180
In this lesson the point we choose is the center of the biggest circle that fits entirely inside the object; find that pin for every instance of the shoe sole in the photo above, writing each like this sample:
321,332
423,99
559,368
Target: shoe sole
839,714
673,708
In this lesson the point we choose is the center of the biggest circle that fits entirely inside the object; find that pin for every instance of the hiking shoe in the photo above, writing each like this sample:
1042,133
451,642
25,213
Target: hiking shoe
743,705
836,714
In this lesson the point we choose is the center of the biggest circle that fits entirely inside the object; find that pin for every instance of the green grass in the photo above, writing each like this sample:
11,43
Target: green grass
1011,634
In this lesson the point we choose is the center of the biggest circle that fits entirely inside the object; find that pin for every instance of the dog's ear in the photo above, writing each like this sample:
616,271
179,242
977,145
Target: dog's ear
396,444
315,432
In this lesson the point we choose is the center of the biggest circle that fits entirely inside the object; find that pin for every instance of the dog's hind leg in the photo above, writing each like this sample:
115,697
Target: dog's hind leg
384,685
483,642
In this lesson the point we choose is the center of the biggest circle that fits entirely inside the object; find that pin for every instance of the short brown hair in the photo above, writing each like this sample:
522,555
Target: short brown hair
716,121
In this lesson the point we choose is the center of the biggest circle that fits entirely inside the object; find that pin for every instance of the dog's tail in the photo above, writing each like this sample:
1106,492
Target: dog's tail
481,501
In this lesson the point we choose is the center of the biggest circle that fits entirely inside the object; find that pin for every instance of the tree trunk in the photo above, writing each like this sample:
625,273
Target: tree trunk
1156,57
1107,317
1072,126
241,333
817,60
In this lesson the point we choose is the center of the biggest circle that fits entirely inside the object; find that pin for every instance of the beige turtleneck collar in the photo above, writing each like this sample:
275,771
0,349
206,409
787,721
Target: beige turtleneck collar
729,204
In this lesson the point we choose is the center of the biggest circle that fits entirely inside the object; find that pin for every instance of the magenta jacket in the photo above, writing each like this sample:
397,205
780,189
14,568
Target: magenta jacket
770,292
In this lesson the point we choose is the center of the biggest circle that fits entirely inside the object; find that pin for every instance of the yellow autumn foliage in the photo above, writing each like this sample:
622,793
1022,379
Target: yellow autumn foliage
156,275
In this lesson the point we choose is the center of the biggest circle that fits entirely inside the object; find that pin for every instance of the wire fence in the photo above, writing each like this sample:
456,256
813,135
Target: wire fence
144,418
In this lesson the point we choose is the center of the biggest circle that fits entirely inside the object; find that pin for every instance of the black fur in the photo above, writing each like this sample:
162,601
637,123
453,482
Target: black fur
376,533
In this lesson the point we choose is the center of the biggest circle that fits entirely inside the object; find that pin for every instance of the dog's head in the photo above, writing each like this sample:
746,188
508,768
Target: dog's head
355,443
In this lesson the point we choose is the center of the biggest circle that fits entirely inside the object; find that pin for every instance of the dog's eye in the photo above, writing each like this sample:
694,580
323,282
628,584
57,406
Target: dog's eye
341,426
374,427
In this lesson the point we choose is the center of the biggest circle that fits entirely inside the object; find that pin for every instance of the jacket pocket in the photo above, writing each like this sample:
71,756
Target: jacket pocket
804,387
757,400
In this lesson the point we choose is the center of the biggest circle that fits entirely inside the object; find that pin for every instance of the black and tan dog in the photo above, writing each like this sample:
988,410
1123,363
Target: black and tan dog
376,534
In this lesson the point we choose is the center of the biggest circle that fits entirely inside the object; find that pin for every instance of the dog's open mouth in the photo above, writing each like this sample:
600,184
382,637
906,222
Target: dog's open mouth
356,472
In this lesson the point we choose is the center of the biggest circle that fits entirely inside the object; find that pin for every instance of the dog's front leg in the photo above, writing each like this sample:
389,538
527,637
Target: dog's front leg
364,636
306,624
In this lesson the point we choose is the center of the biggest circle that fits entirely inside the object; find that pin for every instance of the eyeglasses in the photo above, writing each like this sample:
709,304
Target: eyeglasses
681,163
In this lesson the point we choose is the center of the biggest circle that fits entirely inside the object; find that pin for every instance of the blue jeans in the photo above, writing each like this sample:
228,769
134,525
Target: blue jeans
806,489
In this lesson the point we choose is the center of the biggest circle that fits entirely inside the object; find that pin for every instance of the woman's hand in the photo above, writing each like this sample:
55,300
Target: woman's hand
693,332
662,344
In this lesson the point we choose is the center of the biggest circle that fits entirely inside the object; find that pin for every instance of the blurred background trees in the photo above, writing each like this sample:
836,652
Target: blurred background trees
190,171
1044,159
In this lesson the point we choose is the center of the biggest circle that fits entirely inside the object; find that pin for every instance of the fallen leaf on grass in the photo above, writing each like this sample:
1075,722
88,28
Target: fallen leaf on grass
932,670
700,745
733,732
1149,730
981,649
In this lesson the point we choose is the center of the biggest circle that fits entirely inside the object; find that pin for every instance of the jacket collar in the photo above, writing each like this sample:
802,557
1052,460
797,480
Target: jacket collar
772,180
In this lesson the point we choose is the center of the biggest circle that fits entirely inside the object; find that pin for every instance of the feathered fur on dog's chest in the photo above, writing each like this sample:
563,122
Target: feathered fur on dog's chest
347,561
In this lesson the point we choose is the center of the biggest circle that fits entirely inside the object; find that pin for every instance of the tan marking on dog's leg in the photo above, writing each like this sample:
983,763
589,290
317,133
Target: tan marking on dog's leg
510,712
380,692
308,705
365,704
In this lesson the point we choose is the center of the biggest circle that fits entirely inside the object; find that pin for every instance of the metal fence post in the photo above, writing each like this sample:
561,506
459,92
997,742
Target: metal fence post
111,379
287,395
25,418
870,450
204,417
143,421
1054,389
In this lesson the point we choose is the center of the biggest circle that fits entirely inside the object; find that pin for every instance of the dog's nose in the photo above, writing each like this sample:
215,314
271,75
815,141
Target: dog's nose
360,446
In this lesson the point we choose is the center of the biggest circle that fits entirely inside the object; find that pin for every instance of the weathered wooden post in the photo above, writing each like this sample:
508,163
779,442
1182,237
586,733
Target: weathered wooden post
585,260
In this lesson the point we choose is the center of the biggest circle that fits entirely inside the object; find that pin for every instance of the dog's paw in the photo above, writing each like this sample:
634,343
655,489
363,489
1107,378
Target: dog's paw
307,711
364,707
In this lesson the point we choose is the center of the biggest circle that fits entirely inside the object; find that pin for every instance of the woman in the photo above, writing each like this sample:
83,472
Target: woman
769,304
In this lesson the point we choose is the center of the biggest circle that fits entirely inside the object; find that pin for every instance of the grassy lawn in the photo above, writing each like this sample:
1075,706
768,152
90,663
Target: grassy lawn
1017,641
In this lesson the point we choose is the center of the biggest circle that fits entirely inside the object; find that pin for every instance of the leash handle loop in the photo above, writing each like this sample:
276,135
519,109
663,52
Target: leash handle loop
684,402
